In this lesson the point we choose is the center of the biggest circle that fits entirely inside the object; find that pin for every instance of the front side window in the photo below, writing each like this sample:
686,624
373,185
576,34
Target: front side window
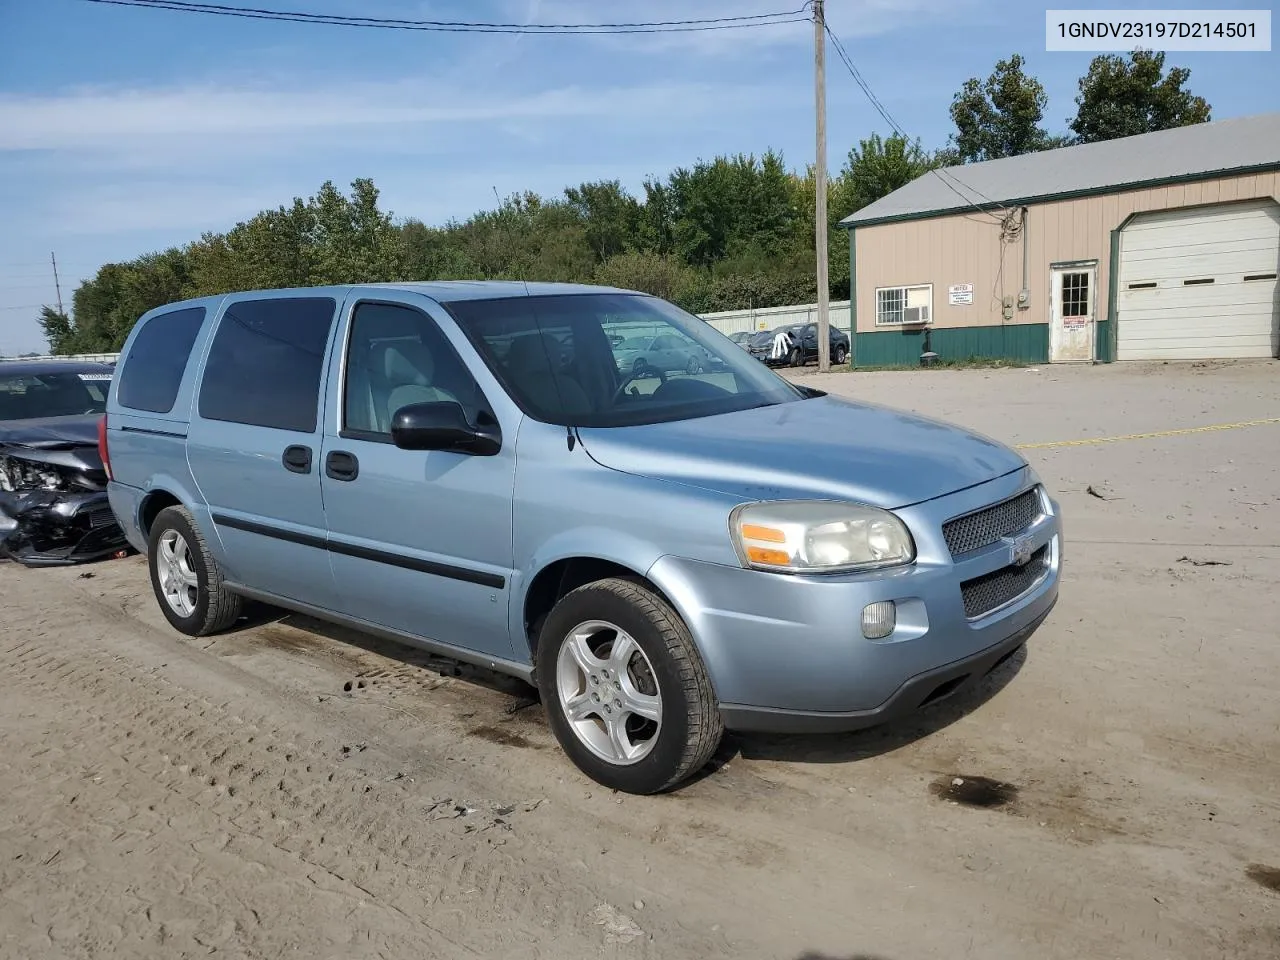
397,356
33,396
608,360
157,359
265,363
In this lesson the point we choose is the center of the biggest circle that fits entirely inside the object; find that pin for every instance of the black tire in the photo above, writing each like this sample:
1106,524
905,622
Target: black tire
796,359
216,608
639,368
693,367
841,354
691,728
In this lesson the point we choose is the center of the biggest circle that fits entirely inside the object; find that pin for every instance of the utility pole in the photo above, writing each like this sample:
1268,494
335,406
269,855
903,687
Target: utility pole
56,285
820,184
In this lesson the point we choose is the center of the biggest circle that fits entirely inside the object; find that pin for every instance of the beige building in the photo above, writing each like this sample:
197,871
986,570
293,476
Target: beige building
1159,246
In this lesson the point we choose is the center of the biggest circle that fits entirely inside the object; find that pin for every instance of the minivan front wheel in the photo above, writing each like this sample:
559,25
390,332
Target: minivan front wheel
186,579
625,689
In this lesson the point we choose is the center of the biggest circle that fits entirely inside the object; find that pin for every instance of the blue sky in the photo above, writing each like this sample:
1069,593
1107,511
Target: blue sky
125,130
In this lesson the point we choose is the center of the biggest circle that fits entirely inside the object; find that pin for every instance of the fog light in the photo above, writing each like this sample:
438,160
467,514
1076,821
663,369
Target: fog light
879,619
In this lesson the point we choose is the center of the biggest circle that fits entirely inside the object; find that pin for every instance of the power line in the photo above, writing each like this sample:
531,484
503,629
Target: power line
469,26
950,180
888,118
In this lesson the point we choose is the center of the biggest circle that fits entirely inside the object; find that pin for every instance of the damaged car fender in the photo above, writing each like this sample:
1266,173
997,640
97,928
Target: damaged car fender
53,504
54,507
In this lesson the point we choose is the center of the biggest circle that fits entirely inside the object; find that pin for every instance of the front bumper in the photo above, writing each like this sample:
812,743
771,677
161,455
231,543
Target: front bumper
786,653
51,528
919,691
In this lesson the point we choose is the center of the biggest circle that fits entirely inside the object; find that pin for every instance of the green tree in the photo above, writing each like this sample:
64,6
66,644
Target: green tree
660,274
57,330
432,253
1000,116
355,241
656,230
1122,98
875,168
610,215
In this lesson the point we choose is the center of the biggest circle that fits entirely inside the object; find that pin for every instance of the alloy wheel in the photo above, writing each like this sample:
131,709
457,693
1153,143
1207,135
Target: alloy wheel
608,691
178,580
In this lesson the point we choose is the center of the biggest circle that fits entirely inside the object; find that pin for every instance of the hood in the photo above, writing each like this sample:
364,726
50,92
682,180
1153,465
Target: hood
68,442
51,433
824,448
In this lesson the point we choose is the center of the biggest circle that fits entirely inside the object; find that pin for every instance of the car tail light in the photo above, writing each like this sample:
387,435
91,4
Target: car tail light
103,452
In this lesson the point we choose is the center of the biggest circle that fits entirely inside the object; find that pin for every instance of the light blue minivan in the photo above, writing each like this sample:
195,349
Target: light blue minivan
469,468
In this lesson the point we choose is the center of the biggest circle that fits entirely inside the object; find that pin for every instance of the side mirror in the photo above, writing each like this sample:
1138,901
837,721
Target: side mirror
444,426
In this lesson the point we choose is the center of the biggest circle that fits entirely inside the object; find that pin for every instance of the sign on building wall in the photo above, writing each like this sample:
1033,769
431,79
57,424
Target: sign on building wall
960,294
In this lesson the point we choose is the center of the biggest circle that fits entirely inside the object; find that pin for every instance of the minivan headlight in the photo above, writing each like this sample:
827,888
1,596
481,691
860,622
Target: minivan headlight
819,536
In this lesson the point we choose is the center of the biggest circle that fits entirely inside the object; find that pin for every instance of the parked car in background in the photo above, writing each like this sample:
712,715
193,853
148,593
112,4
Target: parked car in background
805,349
742,338
463,467
665,353
53,500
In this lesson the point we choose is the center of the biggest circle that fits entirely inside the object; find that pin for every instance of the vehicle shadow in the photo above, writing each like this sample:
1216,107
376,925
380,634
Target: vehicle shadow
786,748
261,617
852,956
875,741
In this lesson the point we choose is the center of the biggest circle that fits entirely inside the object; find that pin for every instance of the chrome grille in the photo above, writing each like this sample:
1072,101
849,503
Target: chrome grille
986,526
991,590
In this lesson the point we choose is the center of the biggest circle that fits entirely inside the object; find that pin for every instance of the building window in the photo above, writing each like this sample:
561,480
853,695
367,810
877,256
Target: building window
1075,294
904,305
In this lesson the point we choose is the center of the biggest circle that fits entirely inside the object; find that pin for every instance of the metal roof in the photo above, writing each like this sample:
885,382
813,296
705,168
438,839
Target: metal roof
1198,151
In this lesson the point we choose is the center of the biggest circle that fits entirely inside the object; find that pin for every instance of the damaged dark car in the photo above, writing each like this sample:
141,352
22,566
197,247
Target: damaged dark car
53,499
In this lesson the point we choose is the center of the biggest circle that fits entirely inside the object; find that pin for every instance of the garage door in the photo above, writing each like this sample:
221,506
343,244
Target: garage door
1200,283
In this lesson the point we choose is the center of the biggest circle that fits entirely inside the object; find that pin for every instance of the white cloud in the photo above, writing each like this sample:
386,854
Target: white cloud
119,118
188,207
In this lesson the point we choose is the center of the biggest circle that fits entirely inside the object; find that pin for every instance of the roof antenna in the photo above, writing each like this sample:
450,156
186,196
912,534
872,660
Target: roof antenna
494,188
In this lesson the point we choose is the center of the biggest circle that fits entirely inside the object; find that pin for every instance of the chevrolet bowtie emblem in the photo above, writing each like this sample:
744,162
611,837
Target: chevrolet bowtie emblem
1020,550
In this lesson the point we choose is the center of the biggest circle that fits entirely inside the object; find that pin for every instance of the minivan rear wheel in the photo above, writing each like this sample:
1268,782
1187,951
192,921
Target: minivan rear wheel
626,692
186,579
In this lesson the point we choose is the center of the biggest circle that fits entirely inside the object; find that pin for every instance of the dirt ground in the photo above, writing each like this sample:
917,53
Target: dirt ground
278,792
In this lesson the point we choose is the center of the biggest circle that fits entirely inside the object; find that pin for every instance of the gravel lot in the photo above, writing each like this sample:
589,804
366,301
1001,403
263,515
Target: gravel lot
277,791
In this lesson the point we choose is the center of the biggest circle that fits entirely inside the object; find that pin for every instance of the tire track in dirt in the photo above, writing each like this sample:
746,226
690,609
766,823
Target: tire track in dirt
169,842
290,786
279,786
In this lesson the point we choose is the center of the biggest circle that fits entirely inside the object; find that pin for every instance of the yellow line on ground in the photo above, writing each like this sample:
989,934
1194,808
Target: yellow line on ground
1147,436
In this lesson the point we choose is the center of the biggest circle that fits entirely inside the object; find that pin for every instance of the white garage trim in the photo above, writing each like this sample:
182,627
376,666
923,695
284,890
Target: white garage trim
1200,283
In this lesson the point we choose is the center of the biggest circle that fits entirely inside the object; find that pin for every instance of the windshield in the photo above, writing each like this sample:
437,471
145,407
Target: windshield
561,360
32,396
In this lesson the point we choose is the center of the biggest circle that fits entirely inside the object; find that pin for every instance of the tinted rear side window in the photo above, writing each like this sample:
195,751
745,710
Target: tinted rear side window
265,363
152,372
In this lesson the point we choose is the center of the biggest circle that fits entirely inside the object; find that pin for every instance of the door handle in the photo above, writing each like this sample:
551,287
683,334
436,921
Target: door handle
297,459
340,465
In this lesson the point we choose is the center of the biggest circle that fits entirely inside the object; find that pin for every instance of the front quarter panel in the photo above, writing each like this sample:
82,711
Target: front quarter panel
568,505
